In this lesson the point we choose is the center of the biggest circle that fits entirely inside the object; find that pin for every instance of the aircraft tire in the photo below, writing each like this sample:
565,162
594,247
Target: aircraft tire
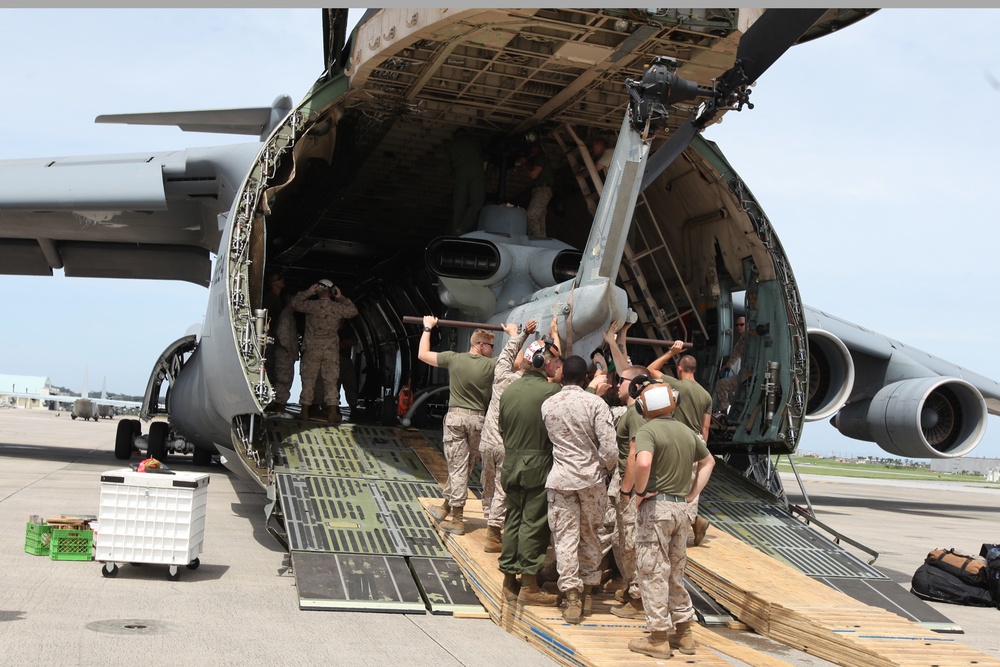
74,417
123,440
158,432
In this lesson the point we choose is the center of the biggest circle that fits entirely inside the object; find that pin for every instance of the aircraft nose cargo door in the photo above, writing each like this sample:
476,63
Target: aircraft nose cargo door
149,517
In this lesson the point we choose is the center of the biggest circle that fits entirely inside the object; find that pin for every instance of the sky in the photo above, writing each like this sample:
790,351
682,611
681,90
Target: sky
872,151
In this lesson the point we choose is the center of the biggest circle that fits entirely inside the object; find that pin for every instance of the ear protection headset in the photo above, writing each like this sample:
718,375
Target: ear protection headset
538,350
652,398
657,399
638,383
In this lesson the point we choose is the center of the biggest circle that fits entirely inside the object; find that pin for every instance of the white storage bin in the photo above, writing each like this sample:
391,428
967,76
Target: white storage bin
149,517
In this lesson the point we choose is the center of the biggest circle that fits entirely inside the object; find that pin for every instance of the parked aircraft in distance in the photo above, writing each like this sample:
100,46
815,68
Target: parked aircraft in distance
350,184
83,407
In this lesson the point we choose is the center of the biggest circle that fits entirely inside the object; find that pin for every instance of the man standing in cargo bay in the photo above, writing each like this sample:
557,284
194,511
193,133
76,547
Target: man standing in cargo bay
470,385
321,343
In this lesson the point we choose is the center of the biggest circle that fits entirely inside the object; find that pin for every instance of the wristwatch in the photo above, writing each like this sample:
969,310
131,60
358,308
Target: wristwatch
427,329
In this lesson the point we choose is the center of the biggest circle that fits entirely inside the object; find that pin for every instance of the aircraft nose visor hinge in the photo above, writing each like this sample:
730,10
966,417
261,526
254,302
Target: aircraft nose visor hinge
771,388
261,324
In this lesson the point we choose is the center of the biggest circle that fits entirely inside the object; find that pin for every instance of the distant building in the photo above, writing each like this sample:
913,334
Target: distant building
25,384
966,464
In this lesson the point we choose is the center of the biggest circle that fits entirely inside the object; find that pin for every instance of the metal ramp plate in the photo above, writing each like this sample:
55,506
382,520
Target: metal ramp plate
708,610
444,585
343,515
357,534
355,582
739,507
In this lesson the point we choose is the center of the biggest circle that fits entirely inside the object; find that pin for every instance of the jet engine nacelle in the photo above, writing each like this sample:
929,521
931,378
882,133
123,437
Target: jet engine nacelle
831,375
931,417
481,277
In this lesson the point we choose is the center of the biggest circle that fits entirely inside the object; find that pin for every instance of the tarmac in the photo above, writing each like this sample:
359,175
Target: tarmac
240,605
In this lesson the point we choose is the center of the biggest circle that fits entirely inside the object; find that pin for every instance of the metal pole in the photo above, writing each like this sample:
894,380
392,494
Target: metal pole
459,324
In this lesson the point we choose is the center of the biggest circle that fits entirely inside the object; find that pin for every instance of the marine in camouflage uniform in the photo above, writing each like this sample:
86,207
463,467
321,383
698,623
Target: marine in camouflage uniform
321,342
273,303
665,450
470,384
728,385
286,352
490,444
626,427
538,169
584,452
695,412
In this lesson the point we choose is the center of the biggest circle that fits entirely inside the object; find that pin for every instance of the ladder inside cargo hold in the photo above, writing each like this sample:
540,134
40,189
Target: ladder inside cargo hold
652,317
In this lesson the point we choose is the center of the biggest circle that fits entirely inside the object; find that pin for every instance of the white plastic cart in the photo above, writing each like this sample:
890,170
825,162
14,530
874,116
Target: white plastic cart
148,517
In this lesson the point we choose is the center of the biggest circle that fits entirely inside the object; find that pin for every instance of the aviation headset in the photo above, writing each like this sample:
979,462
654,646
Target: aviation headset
653,398
538,349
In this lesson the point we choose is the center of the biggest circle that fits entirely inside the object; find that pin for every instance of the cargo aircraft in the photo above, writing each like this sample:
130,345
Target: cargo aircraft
350,184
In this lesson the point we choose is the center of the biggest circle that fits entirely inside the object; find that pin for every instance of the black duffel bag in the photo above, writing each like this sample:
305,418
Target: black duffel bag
993,580
934,584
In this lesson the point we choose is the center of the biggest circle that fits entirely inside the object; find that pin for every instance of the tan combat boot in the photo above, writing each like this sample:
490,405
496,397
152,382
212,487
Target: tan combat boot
655,645
510,587
456,524
632,610
700,528
531,594
440,512
574,607
304,413
335,416
493,545
588,600
683,639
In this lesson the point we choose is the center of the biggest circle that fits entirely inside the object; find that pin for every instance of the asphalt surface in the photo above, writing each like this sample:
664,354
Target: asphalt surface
240,605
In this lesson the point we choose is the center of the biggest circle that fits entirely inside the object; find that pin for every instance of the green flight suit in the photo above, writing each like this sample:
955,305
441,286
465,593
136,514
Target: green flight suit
526,464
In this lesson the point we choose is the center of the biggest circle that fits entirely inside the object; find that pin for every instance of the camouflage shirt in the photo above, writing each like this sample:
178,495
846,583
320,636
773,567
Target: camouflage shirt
323,318
583,439
287,333
503,375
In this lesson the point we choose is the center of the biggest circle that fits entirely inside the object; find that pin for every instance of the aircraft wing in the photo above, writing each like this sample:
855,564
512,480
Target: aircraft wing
880,390
143,215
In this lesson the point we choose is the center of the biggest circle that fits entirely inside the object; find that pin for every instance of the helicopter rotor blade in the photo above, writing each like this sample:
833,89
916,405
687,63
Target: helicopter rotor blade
760,47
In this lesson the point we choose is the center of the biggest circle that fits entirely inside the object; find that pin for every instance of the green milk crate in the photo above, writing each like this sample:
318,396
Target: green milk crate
71,544
37,538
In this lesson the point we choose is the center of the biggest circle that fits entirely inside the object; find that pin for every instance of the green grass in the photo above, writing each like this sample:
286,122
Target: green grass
808,465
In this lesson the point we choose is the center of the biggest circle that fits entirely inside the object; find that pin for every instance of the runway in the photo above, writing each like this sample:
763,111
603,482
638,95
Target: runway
241,604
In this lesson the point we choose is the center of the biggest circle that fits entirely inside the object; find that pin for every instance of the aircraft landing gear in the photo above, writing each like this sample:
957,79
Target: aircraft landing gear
124,439
158,432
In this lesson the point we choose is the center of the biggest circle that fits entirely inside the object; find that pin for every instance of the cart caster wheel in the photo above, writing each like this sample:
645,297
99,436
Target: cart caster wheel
173,574
193,565
110,570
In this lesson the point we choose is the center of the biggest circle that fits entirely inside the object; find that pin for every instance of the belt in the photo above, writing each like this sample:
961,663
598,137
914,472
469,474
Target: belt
466,411
667,497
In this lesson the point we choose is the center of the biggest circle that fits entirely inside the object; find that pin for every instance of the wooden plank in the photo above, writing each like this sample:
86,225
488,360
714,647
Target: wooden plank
601,639
775,600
